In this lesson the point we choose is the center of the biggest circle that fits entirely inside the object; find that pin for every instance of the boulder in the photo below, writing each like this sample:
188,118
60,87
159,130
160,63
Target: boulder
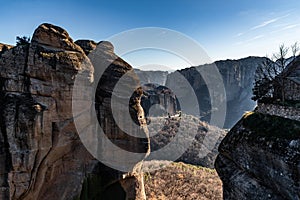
260,158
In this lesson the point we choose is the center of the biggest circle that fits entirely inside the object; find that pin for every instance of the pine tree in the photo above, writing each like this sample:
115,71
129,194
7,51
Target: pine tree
22,40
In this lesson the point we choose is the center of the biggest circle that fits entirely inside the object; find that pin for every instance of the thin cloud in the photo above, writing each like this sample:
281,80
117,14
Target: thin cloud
239,34
287,27
238,43
290,26
255,38
263,24
280,25
266,23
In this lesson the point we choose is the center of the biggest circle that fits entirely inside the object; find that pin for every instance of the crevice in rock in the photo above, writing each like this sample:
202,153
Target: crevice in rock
4,144
26,81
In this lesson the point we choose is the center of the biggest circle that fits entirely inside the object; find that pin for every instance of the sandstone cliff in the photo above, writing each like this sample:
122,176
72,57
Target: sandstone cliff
4,47
41,154
87,45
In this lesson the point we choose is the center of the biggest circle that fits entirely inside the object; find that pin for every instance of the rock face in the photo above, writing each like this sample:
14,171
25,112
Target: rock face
163,131
54,37
152,77
159,100
260,158
87,45
4,47
41,154
36,114
238,78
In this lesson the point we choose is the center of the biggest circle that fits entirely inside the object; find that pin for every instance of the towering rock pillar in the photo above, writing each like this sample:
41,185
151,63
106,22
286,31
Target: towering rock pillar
42,156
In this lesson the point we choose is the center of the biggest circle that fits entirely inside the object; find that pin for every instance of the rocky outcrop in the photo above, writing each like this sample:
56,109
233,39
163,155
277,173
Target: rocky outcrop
54,37
199,152
238,78
289,112
260,158
159,100
4,47
36,117
42,156
152,77
87,45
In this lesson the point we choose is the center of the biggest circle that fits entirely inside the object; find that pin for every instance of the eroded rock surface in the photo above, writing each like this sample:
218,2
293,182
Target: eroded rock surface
4,47
42,156
202,139
87,45
260,158
159,100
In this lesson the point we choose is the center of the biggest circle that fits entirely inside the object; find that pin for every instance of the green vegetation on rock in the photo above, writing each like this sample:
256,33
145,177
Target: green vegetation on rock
271,126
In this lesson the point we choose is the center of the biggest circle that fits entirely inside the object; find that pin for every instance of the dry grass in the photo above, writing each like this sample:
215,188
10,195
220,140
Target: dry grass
181,181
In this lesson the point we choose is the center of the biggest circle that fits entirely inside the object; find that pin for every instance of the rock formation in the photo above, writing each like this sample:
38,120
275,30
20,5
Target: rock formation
42,156
163,131
87,45
260,158
238,78
4,47
159,100
153,77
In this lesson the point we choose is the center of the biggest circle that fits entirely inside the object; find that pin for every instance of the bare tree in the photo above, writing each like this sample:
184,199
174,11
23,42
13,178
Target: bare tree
263,84
295,49
270,75
279,66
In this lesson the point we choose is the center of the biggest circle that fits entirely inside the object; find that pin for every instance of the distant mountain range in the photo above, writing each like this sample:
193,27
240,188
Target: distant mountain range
155,76
238,78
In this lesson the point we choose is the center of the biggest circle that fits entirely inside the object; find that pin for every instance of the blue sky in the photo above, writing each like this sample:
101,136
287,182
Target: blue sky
226,29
